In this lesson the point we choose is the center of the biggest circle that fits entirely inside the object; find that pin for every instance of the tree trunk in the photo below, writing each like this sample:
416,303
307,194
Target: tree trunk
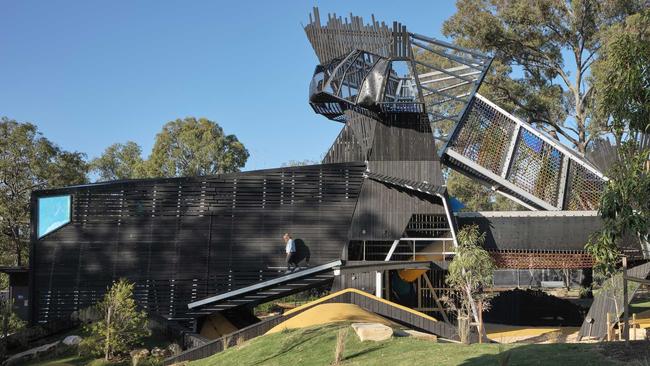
107,346
472,305
15,238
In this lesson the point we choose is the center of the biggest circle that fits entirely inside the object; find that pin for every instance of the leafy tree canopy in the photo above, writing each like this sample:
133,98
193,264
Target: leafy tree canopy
29,161
622,77
120,161
533,38
191,147
184,147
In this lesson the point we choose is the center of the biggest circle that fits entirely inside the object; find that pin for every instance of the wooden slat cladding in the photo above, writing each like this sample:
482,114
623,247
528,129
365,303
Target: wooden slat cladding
384,211
405,140
346,148
609,301
340,36
184,239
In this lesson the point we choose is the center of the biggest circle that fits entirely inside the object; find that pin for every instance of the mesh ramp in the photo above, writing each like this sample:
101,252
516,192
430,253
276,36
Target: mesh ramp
520,162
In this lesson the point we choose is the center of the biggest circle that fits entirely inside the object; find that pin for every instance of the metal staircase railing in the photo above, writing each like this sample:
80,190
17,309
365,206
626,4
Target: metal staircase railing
266,291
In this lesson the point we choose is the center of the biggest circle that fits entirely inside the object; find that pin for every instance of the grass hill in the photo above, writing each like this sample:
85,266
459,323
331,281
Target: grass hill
315,346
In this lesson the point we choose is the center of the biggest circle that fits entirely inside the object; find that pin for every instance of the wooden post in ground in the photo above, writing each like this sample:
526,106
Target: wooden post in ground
480,322
634,326
626,317
609,326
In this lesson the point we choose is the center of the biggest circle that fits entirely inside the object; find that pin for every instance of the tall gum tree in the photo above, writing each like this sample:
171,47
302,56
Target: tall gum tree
551,44
195,147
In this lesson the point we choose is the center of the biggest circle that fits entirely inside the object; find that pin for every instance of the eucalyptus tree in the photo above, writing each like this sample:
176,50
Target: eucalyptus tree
29,161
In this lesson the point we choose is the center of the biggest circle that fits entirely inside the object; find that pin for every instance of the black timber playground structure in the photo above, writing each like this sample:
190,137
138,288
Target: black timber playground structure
374,211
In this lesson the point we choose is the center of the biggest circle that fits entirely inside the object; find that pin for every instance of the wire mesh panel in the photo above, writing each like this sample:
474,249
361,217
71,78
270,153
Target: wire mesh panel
483,136
536,167
515,159
584,189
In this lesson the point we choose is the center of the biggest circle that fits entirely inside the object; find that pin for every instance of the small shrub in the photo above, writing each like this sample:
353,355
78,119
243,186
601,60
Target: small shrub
585,292
122,325
151,361
90,346
174,349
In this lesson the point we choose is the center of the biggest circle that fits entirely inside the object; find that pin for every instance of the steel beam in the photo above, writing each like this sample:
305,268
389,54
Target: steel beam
561,195
511,151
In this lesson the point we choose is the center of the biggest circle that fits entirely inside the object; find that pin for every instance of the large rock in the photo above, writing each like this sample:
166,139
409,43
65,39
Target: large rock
72,340
372,331
38,352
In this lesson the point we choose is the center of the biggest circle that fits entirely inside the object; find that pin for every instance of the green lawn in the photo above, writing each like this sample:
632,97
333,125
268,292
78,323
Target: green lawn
315,346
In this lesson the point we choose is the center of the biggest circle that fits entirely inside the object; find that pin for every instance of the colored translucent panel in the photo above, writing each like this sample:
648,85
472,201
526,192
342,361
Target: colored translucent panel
53,212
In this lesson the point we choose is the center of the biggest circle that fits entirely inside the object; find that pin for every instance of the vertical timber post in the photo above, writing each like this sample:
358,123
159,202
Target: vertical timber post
626,328
609,326
378,283
480,322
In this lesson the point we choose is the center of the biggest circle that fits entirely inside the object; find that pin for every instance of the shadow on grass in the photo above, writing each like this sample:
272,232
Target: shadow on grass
363,352
545,354
294,340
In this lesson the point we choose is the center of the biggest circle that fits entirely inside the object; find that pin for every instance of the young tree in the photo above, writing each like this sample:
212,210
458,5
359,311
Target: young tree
533,38
29,161
191,147
623,78
123,325
624,208
120,161
470,271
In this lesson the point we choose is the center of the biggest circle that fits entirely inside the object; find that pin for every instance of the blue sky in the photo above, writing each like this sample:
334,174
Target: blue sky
92,73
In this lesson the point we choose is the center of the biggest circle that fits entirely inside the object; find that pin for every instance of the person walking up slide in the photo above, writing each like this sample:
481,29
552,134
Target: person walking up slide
290,249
